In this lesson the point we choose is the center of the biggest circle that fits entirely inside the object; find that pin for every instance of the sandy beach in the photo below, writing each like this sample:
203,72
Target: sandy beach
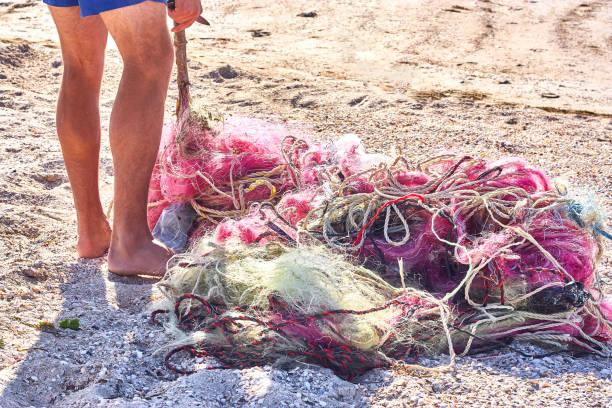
489,78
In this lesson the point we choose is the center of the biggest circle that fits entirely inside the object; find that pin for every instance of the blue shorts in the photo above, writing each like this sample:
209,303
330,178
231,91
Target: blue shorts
93,7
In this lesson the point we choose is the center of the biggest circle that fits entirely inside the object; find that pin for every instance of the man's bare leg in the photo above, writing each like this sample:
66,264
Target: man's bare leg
142,37
83,42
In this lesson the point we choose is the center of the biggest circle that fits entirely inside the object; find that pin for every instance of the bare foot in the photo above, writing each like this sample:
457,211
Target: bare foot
142,258
94,239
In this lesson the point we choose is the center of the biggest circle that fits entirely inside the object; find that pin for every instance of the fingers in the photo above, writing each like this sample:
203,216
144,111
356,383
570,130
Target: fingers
183,21
185,13
181,27
183,17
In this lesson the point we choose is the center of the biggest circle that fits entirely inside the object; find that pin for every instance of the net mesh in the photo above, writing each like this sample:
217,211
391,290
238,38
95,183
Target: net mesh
325,253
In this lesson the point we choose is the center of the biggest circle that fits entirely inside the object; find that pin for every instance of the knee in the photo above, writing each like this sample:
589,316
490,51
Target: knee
154,63
83,68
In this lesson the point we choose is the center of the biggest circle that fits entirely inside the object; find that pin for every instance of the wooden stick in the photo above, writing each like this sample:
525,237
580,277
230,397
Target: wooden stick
182,77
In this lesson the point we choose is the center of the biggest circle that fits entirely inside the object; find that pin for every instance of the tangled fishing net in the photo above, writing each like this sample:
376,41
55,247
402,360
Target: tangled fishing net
327,254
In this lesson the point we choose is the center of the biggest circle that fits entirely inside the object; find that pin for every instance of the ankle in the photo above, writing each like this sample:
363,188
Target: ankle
94,237
92,224
126,240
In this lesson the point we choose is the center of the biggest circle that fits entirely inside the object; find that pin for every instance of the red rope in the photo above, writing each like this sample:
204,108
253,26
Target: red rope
358,240
500,282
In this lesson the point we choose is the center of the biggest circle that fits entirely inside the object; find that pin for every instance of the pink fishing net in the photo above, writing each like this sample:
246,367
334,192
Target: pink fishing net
493,238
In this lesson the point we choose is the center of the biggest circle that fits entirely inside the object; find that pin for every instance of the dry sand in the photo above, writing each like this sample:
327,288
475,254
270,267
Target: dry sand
528,78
